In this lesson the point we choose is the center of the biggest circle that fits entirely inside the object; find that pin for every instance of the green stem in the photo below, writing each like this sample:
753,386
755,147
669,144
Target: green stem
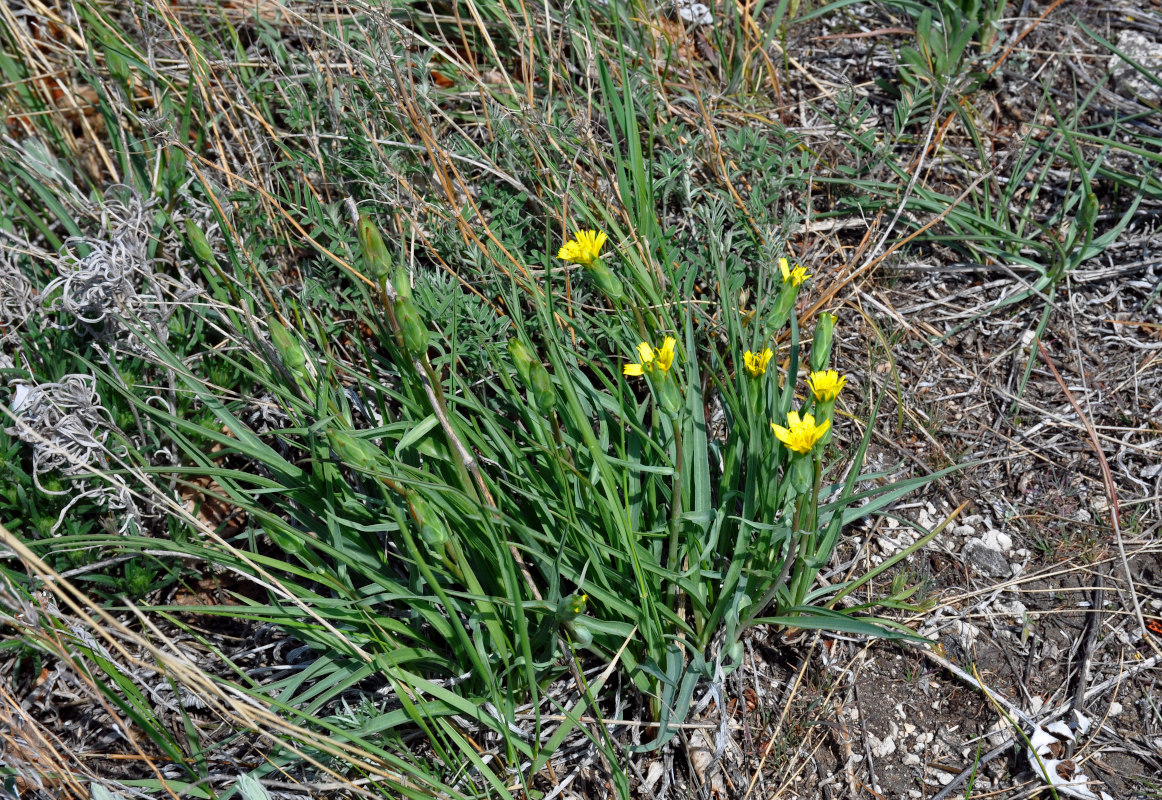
675,508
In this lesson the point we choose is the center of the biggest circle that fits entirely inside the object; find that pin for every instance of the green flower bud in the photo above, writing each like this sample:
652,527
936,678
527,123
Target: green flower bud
541,385
411,325
606,281
582,636
379,262
821,344
198,242
571,607
535,377
355,452
402,283
433,531
290,542
288,348
522,358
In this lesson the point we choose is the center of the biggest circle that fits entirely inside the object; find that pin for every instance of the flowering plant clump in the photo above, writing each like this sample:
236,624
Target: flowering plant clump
584,248
801,433
622,476
650,359
756,363
826,385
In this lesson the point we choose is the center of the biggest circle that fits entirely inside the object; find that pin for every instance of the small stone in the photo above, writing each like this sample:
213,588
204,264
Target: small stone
965,632
985,559
911,760
909,728
915,793
964,531
1129,81
881,747
998,541
1115,709
944,778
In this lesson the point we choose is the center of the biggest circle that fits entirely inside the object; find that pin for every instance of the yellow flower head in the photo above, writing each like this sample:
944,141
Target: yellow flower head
825,384
661,359
756,363
793,276
800,435
584,249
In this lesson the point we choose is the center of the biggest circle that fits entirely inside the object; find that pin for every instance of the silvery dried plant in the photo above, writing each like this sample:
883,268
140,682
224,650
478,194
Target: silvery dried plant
68,428
104,281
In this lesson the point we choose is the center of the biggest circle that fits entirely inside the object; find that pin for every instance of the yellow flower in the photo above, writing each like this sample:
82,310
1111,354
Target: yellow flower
825,385
756,363
584,249
795,276
800,435
661,359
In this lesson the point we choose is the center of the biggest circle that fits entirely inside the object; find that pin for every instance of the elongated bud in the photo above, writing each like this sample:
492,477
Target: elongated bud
198,242
433,531
582,636
522,358
541,386
606,281
290,542
411,325
355,452
379,262
821,344
402,283
288,348
535,377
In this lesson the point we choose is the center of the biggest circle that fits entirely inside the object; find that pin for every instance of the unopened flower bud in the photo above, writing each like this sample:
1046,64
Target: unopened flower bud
402,282
411,325
288,348
522,358
433,531
198,242
379,262
571,607
821,344
582,636
352,451
535,377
